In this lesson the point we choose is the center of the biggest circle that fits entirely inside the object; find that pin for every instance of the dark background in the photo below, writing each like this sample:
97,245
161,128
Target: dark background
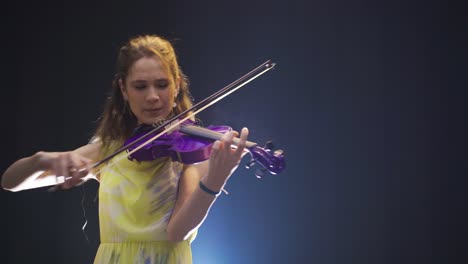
367,100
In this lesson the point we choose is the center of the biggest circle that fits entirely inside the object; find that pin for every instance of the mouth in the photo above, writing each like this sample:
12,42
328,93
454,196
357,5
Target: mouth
153,110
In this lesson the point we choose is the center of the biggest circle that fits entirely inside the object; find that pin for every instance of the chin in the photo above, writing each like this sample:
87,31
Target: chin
150,121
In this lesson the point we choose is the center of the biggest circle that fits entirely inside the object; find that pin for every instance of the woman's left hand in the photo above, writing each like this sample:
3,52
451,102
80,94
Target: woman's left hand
225,159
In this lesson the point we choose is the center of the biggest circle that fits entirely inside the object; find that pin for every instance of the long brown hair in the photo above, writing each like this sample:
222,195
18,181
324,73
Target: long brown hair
117,121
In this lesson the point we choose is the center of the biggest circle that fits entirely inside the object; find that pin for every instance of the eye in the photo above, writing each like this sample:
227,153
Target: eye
140,87
162,84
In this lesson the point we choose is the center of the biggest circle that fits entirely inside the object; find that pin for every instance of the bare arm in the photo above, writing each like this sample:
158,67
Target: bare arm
40,169
193,204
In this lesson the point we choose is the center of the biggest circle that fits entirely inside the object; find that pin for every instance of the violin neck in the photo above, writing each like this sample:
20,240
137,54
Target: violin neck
209,134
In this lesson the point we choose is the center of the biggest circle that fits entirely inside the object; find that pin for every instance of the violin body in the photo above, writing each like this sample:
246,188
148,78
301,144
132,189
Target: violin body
191,144
179,146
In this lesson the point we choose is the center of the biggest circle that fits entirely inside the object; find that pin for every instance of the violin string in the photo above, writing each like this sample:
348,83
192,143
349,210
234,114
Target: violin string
194,130
206,133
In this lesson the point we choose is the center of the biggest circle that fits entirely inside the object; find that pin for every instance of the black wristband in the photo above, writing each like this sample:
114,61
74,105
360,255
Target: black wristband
207,190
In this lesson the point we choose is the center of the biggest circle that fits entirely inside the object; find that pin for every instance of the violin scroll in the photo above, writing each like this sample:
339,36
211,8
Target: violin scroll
271,161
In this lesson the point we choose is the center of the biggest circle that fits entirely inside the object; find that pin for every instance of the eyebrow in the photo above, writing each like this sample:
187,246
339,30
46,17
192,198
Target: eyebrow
144,81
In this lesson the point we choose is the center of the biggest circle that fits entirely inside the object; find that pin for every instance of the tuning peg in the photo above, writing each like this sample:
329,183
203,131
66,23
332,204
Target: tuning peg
278,152
259,173
269,145
250,164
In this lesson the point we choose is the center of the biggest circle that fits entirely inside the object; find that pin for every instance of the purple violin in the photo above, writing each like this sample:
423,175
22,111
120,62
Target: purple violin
191,144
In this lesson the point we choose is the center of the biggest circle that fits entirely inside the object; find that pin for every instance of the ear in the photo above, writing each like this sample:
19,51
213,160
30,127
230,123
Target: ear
123,90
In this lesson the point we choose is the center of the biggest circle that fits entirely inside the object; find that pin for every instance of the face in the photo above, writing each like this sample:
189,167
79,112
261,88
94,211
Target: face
150,90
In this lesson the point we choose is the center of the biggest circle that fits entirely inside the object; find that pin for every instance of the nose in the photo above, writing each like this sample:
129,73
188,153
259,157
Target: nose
152,95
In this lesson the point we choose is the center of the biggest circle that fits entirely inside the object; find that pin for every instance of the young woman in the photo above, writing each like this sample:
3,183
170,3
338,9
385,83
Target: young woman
149,211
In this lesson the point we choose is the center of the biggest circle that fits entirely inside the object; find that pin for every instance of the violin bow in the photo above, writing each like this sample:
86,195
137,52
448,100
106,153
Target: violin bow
195,109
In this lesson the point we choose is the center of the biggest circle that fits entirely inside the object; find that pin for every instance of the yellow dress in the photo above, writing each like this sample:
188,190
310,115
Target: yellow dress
136,200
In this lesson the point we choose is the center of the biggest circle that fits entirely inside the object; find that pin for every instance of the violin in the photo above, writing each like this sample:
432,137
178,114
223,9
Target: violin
191,144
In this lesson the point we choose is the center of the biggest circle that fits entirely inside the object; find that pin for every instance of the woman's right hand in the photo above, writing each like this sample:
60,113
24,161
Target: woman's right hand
69,167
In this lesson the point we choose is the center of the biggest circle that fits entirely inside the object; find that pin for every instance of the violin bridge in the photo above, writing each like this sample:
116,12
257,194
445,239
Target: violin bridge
173,126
